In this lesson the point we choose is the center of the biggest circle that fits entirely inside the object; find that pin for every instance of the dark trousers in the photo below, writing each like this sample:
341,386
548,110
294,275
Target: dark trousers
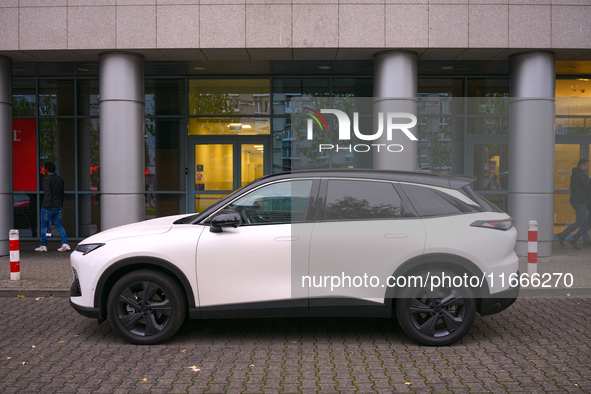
582,214
583,230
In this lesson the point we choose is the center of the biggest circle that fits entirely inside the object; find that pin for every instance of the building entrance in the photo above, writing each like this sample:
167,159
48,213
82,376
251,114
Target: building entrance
218,166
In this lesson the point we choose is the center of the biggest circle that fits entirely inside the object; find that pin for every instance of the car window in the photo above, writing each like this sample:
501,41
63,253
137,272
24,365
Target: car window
433,202
351,199
282,202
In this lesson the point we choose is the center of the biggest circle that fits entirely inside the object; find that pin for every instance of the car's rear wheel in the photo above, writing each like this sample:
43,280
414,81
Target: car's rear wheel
436,315
146,307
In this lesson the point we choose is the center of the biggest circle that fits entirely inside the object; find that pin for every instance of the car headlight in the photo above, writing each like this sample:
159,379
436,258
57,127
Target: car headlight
87,248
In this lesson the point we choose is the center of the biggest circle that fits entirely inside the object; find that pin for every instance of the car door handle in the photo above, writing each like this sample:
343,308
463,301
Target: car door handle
399,235
286,239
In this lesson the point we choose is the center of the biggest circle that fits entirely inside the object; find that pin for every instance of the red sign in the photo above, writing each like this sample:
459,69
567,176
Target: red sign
24,154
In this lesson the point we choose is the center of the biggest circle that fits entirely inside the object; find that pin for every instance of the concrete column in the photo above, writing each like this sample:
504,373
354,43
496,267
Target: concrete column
121,105
6,206
531,147
395,90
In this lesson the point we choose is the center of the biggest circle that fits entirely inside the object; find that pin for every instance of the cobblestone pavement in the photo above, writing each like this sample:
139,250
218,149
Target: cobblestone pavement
537,345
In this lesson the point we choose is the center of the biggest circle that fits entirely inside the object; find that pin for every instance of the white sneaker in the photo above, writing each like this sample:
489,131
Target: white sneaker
64,248
41,248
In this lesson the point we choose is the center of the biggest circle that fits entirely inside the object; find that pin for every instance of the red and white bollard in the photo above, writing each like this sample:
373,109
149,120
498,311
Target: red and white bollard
15,256
532,248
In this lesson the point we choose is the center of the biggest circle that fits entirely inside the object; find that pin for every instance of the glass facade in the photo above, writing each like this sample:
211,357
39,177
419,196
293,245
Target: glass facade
57,119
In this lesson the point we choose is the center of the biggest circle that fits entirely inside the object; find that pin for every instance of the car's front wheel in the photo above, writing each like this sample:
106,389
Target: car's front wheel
146,307
436,315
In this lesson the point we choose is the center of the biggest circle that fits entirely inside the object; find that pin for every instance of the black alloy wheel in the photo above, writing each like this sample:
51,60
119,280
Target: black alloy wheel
436,316
146,307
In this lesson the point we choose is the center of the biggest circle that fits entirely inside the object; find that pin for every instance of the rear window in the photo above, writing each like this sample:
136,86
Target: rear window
482,202
433,201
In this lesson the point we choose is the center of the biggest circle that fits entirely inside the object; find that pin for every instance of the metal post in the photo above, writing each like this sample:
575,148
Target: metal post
15,257
532,248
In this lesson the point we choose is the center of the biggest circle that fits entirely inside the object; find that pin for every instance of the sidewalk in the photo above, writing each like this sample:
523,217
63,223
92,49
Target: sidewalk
45,274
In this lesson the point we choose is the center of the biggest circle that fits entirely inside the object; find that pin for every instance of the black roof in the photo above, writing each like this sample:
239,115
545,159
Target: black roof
422,177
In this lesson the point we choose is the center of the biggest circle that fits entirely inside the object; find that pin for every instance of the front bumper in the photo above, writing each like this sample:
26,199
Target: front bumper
86,311
498,302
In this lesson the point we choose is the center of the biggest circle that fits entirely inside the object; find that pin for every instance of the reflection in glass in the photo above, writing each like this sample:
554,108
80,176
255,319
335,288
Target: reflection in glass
56,97
229,96
351,200
229,126
204,201
25,214
24,97
89,154
573,126
89,214
491,167
158,205
163,155
436,143
488,125
57,144
488,87
164,96
88,97
282,202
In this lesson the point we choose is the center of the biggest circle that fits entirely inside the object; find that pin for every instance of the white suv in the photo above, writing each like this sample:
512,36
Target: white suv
421,247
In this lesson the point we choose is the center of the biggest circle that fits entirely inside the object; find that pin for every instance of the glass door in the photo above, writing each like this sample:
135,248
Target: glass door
220,166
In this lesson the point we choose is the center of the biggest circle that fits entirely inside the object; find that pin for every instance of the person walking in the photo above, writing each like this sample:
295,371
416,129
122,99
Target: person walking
579,191
53,201
584,229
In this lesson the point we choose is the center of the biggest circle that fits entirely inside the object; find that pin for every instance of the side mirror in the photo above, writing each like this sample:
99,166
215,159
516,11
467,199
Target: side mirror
224,218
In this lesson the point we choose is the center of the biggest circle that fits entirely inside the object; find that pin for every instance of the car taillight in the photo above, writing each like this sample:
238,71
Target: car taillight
495,224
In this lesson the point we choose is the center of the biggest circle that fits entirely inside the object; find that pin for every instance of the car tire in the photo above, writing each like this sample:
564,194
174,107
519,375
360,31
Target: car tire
438,316
146,307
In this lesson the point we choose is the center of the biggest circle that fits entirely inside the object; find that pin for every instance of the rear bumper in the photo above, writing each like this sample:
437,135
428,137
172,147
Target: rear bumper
498,302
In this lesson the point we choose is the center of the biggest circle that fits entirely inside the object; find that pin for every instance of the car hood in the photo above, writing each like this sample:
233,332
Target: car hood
147,227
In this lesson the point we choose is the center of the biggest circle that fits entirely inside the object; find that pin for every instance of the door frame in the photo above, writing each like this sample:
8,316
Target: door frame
236,142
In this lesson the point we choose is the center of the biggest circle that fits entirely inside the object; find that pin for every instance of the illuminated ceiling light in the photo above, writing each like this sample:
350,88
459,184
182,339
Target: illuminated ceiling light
259,146
573,86
83,69
246,126
583,79
235,126
324,67
199,68
447,67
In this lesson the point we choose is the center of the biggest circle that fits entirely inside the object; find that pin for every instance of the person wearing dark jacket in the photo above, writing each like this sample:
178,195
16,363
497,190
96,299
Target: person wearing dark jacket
579,193
583,230
53,201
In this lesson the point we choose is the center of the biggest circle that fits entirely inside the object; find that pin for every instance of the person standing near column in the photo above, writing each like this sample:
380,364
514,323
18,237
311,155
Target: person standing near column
579,190
53,201
583,230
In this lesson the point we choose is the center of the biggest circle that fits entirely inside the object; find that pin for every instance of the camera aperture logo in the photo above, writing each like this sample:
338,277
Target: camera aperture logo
392,120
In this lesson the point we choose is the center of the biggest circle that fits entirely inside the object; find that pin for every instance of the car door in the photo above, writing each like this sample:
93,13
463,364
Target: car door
252,266
363,232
